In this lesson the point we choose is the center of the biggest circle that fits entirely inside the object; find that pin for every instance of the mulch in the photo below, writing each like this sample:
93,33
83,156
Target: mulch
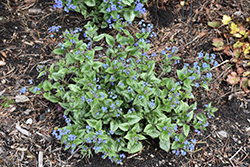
26,126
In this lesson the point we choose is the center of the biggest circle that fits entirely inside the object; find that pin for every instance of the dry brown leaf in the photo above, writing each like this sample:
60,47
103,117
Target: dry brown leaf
21,99
240,70
23,131
2,63
203,33
3,53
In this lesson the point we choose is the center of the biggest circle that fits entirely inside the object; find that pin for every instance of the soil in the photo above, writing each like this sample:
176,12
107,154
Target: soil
25,43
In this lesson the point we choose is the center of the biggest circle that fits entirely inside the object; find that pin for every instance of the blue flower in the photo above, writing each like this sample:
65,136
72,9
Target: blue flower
54,28
139,7
163,52
122,156
191,147
71,137
113,7
176,138
23,90
197,131
112,106
192,77
164,128
183,152
197,85
67,120
204,65
193,141
175,128
200,55
213,56
83,98
59,4
88,140
111,132
209,75
216,63
186,142
31,81
88,127
174,49
176,152
36,89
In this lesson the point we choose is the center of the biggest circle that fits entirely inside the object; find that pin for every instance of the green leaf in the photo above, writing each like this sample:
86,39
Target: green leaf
91,122
98,125
135,51
128,2
58,51
187,83
110,70
129,15
99,37
151,131
124,126
113,125
175,145
205,86
50,98
164,144
97,65
119,37
132,119
90,3
135,147
214,24
74,88
109,39
85,68
190,116
47,85
98,48
181,74
186,129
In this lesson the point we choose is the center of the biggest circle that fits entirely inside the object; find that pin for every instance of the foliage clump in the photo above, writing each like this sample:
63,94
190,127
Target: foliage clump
112,96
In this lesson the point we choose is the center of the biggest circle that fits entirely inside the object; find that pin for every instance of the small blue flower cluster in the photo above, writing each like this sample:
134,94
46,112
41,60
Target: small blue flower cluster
114,158
171,131
36,89
207,58
188,146
59,4
113,7
139,7
53,29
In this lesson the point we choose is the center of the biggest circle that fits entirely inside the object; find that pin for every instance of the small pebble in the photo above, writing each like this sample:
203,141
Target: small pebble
222,134
29,121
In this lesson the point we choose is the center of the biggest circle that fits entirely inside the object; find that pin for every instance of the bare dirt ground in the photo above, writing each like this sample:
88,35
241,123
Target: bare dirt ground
26,126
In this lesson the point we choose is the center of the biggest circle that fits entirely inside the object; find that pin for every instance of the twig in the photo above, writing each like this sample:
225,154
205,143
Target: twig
220,64
190,41
235,153
73,154
136,154
221,74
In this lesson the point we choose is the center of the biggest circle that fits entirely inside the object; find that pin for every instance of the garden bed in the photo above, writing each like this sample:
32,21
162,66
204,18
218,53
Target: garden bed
26,126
